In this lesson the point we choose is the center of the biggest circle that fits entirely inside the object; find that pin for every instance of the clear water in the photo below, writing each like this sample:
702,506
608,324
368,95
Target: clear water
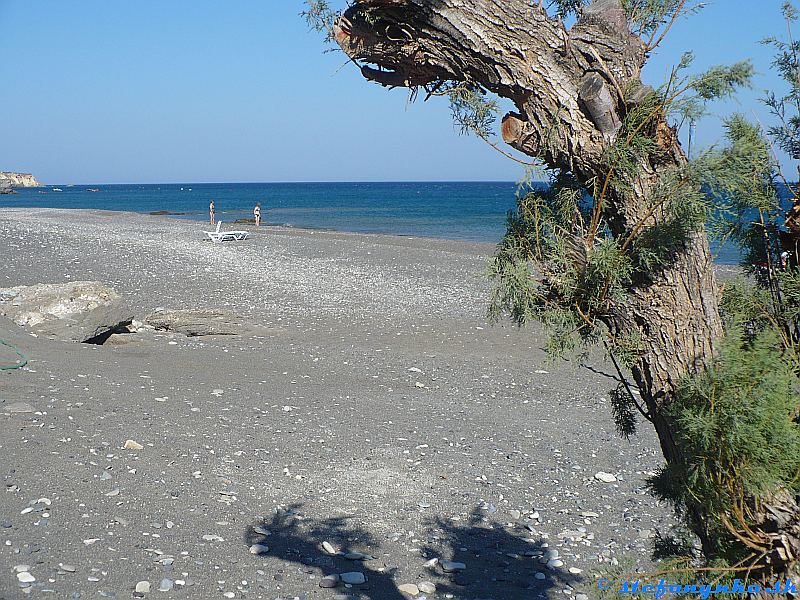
457,211
448,210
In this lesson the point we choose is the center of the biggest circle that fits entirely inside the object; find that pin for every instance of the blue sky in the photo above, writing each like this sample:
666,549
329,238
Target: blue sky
187,91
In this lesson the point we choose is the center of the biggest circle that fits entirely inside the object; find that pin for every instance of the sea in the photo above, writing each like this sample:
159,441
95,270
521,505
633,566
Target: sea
466,211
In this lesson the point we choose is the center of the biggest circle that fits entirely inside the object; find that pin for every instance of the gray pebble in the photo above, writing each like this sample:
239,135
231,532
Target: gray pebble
452,566
353,578
329,581
259,549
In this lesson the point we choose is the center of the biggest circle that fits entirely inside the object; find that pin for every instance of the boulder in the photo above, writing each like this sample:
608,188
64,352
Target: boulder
198,322
80,311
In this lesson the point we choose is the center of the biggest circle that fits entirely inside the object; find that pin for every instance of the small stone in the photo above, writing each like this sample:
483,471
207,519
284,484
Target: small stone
329,581
540,576
229,595
25,577
165,585
427,587
21,568
112,493
259,549
328,548
353,578
143,587
555,563
451,566
581,597
213,538
431,563
408,588
67,568
260,530
355,556
515,514
605,477
575,570
132,445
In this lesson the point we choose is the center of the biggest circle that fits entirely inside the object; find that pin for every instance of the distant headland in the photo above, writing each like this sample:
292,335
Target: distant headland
10,180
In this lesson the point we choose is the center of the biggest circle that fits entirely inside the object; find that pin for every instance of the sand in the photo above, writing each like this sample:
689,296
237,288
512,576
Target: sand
374,408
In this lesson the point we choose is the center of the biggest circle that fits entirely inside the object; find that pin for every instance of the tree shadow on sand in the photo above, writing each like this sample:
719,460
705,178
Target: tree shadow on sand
501,564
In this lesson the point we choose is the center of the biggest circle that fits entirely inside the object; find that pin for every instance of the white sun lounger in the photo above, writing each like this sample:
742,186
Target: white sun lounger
226,236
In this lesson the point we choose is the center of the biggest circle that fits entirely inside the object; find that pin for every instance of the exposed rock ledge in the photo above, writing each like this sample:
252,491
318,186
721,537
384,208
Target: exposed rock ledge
18,179
81,311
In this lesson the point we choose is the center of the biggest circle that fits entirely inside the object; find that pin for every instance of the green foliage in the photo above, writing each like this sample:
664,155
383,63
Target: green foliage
745,307
687,96
565,8
635,141
790,287
736,425
786,107
547,270
723,81
648,16
623,410
472,110
321,17
676,207
741,178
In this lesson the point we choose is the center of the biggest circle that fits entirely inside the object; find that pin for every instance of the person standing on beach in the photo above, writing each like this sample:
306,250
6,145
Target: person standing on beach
257,214
211,211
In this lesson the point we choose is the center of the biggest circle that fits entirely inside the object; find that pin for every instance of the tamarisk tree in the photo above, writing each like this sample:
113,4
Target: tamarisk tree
615,251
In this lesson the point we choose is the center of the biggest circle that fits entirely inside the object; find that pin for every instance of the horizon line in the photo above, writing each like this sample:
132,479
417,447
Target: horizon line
284,182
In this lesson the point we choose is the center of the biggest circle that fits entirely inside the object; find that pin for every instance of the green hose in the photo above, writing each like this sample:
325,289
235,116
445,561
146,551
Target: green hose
18,352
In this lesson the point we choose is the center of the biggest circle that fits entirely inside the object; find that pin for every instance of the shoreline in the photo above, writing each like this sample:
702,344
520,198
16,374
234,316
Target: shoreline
203,225
724,269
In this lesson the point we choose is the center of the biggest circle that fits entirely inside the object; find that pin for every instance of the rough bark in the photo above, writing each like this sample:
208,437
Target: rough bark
567,87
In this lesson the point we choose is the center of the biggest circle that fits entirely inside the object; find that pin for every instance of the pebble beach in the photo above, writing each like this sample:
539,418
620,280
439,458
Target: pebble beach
372,436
